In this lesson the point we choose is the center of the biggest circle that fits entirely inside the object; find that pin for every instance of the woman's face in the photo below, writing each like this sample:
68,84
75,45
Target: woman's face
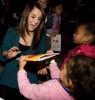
34,19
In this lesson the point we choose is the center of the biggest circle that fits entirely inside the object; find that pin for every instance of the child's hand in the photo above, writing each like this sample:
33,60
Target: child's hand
22,62
53,34
49,52
43,71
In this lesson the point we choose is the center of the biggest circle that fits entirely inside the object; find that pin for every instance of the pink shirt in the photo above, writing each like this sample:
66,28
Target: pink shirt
84,48
49,90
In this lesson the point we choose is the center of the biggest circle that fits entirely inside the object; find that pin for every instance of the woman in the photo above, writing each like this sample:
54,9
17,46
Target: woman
28,38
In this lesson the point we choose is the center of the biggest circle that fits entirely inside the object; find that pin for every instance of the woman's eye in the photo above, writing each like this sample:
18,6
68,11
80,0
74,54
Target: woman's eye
40,19
32,16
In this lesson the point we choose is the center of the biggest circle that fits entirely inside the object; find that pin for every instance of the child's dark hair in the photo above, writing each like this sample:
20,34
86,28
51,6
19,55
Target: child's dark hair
81,71
89,29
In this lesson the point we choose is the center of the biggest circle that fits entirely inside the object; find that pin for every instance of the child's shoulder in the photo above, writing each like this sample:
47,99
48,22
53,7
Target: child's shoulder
86,46
88,50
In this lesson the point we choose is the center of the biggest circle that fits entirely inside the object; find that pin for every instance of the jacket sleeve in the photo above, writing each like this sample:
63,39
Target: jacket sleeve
7,42
32,91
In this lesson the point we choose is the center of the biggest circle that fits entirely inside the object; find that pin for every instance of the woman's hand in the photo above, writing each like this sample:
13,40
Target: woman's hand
14,51
43,71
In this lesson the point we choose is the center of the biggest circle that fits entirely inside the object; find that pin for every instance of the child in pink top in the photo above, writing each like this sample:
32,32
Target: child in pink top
68,84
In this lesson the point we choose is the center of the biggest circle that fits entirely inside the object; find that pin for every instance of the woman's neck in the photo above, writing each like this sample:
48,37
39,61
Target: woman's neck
27,40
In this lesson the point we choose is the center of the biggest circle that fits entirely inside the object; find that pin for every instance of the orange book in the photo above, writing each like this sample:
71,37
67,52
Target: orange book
40,57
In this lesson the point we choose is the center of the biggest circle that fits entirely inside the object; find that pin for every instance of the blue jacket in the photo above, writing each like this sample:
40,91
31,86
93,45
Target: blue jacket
9,74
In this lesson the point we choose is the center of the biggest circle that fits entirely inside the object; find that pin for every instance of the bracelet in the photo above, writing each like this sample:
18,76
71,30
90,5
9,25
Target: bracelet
6,57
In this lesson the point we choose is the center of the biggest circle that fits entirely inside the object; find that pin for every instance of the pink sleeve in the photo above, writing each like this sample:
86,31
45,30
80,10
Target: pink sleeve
54,70
32,91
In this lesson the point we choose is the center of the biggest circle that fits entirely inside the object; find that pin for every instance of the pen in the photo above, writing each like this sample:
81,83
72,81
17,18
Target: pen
17,50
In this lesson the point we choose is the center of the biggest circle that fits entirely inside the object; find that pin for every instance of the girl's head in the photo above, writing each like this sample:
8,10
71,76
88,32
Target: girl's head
32,17
43,3
85,33
78,76
57,7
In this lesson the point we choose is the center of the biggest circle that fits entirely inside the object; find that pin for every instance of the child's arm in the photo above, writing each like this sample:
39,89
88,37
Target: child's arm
31,91
35,91
54,70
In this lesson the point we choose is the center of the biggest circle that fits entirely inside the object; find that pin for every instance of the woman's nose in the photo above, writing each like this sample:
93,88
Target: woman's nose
36,21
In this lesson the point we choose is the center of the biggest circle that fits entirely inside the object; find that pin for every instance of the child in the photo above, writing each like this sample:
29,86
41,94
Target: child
57,11
75,81
85,37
